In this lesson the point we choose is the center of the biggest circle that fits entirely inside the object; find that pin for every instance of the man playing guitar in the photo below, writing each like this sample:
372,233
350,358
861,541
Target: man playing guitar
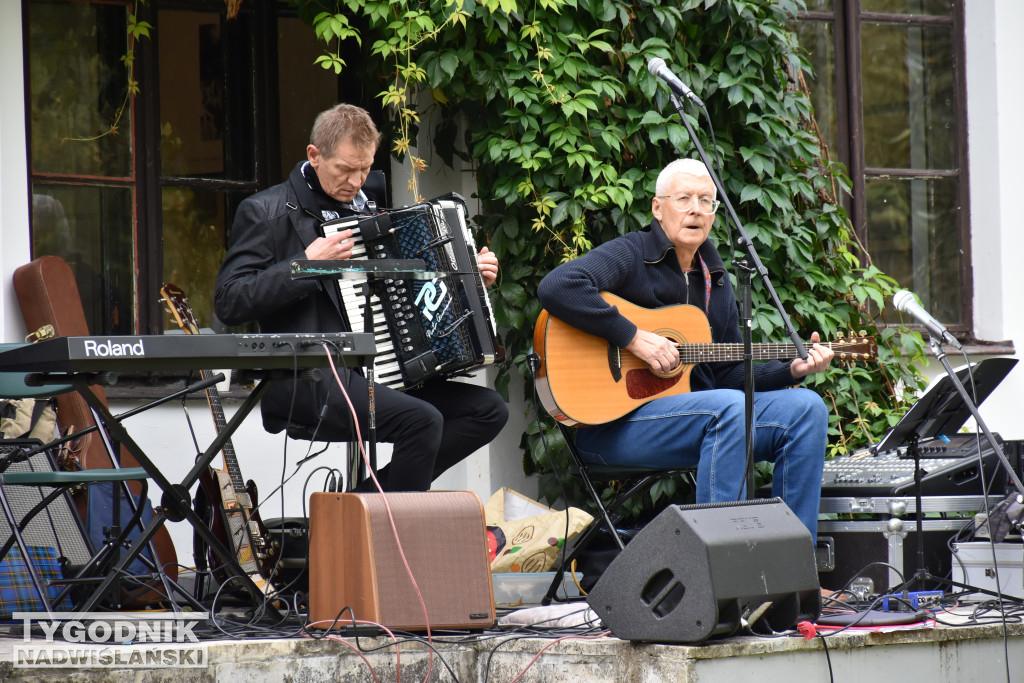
672,262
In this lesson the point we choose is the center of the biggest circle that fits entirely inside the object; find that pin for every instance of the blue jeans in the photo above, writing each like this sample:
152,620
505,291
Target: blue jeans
705,429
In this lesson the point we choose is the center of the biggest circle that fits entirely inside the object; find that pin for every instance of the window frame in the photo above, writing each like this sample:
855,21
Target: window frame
846,19
145,178
153,181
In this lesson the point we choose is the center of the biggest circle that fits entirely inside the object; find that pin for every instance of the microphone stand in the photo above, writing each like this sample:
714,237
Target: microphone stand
922,576
744,265
936,347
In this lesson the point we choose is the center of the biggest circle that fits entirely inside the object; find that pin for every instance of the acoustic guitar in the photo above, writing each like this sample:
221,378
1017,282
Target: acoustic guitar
232,513
583,379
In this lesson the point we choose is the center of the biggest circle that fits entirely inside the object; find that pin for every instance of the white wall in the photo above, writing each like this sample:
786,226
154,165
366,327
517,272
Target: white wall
994,102
14,206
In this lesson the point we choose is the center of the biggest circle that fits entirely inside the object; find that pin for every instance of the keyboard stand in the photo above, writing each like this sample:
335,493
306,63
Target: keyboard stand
176,502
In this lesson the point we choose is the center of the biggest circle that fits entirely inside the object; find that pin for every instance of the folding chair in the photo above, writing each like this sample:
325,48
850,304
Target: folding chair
25,463
640,480
59,482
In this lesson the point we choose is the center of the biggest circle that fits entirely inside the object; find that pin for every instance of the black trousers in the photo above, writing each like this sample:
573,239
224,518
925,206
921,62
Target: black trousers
431,428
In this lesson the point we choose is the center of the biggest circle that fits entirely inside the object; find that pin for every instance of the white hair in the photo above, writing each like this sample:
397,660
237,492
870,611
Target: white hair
679,166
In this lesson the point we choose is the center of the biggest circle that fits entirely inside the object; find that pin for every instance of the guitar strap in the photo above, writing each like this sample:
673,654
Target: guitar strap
707,285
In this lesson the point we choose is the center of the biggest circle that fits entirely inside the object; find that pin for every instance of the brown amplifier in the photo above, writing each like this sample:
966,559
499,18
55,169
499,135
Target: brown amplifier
355,562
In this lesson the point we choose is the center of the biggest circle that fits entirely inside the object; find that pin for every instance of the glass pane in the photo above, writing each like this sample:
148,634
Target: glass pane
912,235
816,37
819,5
206,97
306,89
78,87
909,88
941,8
194,240
90,227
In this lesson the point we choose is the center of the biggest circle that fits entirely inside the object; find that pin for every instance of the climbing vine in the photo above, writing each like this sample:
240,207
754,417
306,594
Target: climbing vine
552,104
136,30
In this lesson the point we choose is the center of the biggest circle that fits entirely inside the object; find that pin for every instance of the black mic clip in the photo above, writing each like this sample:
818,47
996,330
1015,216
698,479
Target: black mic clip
533,362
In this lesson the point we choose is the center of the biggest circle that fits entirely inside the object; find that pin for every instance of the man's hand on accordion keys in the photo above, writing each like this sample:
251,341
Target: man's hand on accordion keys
488,264
336,246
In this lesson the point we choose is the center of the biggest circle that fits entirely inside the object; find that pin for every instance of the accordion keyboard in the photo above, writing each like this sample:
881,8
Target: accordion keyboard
422,329
385,365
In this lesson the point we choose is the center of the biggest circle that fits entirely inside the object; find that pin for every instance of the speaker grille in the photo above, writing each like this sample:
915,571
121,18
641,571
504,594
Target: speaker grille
57,525
443,536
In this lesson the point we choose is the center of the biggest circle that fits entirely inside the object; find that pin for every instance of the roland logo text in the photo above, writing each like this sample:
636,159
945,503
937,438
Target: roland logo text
110,349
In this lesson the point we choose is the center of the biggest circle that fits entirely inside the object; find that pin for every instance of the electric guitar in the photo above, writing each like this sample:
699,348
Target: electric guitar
233,516
583,379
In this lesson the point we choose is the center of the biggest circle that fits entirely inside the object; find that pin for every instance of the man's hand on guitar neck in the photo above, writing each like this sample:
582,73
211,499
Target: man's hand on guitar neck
660,354
818,359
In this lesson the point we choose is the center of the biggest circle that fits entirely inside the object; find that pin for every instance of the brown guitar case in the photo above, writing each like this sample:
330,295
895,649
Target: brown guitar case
48,295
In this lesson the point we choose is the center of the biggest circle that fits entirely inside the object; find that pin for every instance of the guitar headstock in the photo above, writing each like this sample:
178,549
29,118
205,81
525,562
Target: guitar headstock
854,347
180,309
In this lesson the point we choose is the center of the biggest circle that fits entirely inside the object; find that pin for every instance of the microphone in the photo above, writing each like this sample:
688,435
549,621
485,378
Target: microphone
657,66
905,301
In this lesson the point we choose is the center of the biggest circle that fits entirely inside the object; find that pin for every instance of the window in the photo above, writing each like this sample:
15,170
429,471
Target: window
81,181
890,98
221,113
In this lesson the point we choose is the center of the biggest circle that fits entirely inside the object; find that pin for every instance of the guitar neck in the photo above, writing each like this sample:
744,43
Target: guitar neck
186,320
228,449
711,353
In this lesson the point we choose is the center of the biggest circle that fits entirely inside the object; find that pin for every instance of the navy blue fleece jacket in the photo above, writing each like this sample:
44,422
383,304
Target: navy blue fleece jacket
641,267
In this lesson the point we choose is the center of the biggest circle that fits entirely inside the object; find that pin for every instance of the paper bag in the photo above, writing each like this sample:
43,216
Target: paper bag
525,536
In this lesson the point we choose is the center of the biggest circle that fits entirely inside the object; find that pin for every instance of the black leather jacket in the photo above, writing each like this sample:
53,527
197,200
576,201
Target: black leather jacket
270,229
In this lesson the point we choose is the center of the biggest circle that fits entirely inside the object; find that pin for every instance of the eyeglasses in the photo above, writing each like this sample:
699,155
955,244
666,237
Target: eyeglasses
684,202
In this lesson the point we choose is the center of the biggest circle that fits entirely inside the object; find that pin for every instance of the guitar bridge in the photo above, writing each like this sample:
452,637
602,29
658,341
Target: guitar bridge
615,362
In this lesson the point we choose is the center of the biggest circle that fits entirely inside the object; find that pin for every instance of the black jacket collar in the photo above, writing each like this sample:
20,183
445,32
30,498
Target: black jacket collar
656,246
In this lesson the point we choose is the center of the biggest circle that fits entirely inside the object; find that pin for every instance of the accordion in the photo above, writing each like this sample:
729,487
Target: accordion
423,328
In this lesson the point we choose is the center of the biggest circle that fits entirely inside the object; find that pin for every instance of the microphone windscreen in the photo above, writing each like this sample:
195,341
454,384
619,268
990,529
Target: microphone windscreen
901,298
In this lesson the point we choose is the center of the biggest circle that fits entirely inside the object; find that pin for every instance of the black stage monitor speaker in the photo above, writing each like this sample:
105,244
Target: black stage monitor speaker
696,570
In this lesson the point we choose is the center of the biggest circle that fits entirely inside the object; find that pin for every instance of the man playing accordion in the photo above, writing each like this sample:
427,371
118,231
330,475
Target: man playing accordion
432,426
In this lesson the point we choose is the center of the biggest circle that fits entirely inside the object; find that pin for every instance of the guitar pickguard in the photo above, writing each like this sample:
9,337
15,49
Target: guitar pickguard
641,384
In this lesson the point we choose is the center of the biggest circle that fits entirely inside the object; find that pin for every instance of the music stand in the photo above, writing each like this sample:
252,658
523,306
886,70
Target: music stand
371,270
942,410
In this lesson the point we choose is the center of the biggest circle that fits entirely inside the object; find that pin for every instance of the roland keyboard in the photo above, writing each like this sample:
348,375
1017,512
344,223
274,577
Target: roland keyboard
139,353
